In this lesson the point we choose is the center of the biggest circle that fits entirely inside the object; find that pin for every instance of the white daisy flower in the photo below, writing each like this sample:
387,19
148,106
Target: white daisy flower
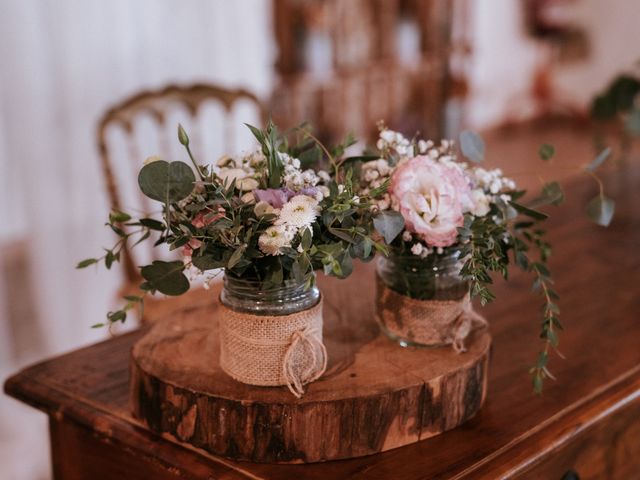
273,239
299,212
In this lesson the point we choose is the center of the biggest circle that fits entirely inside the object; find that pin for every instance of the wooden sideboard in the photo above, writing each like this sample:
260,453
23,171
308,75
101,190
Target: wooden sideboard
586,425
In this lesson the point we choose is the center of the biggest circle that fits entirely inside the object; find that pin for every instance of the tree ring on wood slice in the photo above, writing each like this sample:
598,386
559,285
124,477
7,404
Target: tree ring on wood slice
375,395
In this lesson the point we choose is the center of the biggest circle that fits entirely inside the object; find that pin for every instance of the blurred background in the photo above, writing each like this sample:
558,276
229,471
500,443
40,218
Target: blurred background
89,89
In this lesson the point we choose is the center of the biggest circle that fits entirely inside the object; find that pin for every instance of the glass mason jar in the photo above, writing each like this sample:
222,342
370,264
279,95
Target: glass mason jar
271,336
435,278
249,296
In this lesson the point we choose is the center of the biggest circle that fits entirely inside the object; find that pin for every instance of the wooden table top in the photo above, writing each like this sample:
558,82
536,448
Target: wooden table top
597,274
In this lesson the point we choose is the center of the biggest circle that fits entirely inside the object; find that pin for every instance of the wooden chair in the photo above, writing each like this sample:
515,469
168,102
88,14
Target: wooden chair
160,108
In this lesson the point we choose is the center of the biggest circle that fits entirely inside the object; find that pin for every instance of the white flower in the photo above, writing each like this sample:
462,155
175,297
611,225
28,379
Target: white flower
263,208
247,184
248,198
273,239
324,191
228,175
406,236
480,203
299,212
324,176
225,161
416,249
388,135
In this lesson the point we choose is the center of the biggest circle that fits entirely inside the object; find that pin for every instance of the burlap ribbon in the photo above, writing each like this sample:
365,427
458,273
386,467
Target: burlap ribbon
427,322
273,350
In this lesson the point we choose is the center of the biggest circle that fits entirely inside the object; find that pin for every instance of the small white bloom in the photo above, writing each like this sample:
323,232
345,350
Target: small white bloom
416,249
324,191
248,198
228,175
273,239
263,208
440,250
324,175
388,136
225,161
356,199
406,236
480,203
299,212
247,184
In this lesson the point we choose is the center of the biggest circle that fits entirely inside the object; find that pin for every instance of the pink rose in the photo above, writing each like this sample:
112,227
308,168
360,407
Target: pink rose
431,196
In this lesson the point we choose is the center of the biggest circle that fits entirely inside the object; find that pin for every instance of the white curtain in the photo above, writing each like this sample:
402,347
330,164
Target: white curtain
62,63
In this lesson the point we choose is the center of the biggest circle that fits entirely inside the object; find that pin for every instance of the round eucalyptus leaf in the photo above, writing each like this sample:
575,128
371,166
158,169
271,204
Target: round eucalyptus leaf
600,210
166,182
472,146
166,277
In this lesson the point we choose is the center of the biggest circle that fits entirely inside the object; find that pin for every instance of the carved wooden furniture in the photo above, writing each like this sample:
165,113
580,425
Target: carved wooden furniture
346,65
160,107
586,425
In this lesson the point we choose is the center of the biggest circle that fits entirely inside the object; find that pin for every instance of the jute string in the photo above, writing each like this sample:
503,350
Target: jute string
427,322
273,350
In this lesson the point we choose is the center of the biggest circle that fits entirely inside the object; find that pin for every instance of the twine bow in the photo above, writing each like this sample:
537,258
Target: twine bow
295,382
467,321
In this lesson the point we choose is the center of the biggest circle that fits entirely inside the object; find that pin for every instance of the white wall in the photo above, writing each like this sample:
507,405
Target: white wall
62,63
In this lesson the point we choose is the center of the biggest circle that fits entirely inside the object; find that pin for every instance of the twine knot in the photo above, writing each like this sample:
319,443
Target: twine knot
309,337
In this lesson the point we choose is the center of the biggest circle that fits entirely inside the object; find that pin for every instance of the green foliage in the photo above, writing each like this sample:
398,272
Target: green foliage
546,151
599,160
600,210
166,182
617,98
551,194
389,223
472,146
270,142
166,277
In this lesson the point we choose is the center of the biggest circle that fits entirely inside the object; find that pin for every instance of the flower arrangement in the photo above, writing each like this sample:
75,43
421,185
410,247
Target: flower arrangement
438,207
263,216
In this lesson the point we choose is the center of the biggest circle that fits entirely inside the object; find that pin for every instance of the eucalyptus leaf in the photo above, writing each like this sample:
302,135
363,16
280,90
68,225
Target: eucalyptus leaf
529,212
472,146
164,181
599,160
551,194
632,123
546,151
166,277
206,262
389,224
600,210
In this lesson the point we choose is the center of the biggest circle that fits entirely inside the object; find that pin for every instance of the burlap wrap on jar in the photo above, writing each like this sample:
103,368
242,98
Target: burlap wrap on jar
426,322
273,350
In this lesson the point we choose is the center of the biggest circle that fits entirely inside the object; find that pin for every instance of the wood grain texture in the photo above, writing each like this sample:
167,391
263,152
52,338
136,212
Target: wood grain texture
375,395
597,273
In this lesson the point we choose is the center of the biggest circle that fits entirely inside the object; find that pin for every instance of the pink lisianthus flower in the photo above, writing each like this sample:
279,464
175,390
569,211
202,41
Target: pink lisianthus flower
206,217
190,247
431,196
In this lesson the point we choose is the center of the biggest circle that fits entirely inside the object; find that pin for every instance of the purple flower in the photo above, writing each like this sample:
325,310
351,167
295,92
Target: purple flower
276,197
309,192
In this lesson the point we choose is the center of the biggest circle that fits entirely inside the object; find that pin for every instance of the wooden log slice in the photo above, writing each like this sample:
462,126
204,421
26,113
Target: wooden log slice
375,395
